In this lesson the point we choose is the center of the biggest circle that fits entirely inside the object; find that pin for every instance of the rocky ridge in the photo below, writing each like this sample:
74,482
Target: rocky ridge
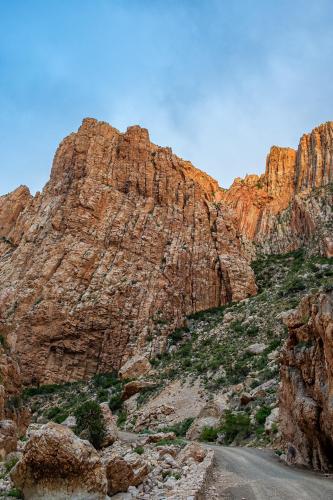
277,211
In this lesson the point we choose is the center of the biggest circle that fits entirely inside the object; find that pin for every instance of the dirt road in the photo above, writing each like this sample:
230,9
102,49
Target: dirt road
252,474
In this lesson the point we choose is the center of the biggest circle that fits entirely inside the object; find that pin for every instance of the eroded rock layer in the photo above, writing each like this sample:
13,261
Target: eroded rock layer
123,242
307,383
284,208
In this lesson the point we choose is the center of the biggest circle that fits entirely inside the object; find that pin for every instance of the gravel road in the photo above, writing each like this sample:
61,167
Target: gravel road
252,474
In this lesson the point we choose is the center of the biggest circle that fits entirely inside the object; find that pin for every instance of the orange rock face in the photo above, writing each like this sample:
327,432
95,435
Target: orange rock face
123,242
307,383
277,210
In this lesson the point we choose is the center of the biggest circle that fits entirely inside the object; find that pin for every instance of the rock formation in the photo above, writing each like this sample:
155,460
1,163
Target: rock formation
307,383
57,464
123,242
285,208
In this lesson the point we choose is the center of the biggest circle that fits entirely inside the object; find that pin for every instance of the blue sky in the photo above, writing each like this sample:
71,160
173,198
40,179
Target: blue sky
219,81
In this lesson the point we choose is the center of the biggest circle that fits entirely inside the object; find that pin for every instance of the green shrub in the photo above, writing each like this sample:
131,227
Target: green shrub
106,380
170,442
61,416
89,420
181,428
10,464
115,402
177,335
102,395
262,414
235,426
15,493
209,434
252,331
44,389
122,417
53,412
139,450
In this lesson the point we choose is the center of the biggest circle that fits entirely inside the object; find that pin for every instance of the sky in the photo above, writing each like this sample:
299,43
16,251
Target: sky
220,81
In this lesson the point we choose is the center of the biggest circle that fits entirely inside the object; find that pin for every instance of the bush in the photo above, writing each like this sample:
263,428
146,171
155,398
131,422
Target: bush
15,493
171,442
177,335
43,389
10,464
115,402
262,414
181,428
89,420
235,426
122,417
139,450
53,412
209,434
106,380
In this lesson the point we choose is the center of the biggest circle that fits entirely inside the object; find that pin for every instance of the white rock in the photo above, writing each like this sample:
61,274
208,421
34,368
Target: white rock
256,348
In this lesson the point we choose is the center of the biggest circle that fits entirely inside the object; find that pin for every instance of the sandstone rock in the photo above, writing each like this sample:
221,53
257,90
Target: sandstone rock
8,437
124,242
193,450
306,415
134,387
111,430
245,398
123,469
56,464
135,367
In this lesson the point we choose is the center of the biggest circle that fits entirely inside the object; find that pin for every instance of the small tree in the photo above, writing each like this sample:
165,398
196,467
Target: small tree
90,422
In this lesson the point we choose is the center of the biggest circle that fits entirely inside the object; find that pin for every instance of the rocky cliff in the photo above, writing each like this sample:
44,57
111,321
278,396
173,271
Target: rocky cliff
307,383
125,240
291,204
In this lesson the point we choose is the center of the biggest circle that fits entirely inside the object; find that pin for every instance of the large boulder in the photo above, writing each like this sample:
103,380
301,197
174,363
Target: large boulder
124,468
134,367
58,465
111,430
8,437
209,416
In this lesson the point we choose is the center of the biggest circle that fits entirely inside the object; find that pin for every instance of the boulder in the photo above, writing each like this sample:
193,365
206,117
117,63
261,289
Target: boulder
58,465
199,424
134,387
8,437
69,422
192,451
209,416
159,436
256,348
245,398
111,430
123,469
135,367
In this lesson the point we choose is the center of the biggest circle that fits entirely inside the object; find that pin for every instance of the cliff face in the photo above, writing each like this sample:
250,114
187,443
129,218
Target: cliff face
283,209
123,242
307,383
